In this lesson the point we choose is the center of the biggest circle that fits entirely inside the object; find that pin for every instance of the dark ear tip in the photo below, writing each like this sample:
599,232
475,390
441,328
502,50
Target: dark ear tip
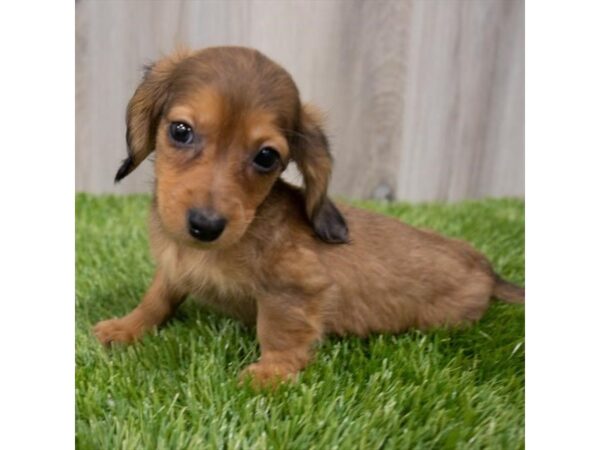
126,167
330,225
335,237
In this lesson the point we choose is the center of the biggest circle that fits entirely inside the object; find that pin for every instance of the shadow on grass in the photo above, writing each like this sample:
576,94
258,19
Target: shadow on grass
490,350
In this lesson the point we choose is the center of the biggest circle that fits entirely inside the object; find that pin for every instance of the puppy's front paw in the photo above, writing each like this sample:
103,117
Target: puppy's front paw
117,331
262,375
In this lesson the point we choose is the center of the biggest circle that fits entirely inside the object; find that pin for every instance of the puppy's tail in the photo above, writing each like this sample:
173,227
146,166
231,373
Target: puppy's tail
508,292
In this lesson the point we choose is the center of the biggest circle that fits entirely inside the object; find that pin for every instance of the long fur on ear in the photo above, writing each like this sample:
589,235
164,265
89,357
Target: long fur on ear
144,109
311,153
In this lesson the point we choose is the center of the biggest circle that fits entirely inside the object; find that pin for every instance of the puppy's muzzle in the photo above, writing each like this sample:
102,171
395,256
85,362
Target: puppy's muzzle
205,224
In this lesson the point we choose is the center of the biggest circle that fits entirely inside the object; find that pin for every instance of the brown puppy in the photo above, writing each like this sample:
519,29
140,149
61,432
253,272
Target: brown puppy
225,228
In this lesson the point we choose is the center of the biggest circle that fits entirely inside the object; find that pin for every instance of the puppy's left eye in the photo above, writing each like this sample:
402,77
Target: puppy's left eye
266,159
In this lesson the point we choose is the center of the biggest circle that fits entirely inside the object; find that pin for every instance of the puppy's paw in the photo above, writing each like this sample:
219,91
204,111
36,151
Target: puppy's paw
263,375
116,331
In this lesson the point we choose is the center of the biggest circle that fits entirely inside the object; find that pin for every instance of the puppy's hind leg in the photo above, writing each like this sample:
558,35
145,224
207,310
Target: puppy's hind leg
159,303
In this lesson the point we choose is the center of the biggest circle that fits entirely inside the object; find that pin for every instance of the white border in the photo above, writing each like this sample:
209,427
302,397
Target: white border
563,226
37,220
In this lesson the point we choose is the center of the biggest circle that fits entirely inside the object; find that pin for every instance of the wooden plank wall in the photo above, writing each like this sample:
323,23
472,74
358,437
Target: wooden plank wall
424,98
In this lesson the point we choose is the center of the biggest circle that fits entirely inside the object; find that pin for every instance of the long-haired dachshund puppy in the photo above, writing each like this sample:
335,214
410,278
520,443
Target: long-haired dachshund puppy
224,123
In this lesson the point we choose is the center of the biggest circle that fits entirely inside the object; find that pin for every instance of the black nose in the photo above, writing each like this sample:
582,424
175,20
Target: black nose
205,224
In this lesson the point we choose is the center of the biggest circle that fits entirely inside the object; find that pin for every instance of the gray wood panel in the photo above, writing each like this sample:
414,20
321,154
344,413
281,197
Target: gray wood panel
424,98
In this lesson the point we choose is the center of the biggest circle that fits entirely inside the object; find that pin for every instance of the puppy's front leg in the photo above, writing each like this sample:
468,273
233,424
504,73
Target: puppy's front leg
287,329
159,303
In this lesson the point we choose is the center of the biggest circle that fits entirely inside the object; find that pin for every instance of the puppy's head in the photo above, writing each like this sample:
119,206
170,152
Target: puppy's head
224,123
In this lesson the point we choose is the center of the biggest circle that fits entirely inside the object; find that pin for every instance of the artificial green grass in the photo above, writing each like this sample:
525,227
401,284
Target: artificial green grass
178,389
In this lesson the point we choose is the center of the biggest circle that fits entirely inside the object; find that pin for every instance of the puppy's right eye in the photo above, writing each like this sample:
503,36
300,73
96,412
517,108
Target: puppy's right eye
181,133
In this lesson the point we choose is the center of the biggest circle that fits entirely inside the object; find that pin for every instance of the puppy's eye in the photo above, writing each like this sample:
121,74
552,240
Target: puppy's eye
181,133
266,159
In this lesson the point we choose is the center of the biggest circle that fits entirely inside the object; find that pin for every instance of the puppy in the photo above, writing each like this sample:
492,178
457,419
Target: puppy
224,123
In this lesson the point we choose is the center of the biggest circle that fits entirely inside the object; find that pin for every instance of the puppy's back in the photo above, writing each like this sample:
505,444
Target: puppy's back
392,276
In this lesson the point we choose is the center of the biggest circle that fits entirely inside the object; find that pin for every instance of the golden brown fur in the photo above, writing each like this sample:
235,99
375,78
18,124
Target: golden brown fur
288,259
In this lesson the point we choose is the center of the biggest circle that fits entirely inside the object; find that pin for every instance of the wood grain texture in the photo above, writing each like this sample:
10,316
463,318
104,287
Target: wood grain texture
424,98
464,134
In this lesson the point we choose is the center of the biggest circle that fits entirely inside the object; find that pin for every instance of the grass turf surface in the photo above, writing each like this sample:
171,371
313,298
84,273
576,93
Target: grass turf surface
177,388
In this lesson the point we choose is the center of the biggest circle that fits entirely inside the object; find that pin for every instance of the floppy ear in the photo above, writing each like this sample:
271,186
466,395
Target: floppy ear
144,110
311,153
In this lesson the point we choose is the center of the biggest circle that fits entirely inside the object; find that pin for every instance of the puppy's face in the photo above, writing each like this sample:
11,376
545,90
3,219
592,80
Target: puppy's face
215,164
224,123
